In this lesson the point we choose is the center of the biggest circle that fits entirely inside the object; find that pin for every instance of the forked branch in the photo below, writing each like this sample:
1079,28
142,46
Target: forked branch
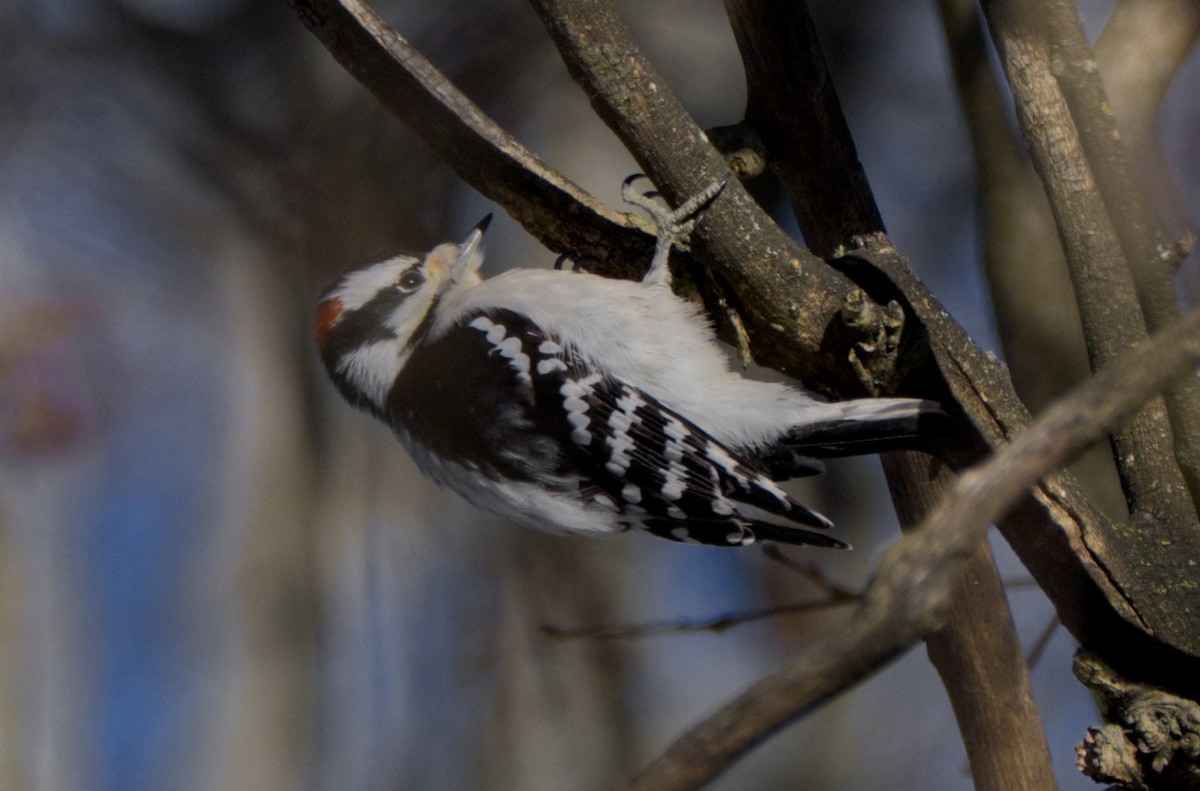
910,593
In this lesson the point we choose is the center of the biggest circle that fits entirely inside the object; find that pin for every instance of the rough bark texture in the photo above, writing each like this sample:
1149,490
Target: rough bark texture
1119,591
1149,561
911,592
792,99
977,653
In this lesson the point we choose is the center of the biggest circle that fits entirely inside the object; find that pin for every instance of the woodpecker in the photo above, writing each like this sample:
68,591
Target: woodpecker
574,403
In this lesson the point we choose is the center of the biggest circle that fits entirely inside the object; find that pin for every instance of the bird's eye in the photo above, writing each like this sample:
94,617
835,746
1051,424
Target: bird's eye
410,279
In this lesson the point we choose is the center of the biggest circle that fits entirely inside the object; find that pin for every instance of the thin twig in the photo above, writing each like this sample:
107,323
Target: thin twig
1039,646
718,625
911,591
811,572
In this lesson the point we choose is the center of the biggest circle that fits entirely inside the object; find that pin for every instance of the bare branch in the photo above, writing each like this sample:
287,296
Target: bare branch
793,106
977,653
1022,258
1140,51
717,625
911,592
787,299
1028,282
1104,289
557,212
1140,240
1112,316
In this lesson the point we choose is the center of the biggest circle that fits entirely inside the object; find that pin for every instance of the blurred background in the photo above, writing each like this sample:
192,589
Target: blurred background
215,575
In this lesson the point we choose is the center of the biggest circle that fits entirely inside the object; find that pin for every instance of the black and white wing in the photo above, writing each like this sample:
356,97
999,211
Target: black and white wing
667,476
556,420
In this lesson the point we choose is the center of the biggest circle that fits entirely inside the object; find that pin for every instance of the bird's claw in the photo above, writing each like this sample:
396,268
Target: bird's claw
672,226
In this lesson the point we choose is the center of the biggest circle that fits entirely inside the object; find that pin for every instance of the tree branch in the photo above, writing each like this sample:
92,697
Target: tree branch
977,653
790,303
1028,38
1142,244
1030,289
794,108
911,592
555,211
787,299
1104,289
1140,51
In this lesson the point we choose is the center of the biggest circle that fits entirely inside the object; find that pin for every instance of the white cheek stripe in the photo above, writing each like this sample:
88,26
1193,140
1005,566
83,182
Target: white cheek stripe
374,368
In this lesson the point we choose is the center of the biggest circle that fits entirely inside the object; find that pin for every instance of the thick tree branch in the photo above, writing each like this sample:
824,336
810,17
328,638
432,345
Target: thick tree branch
1104,289
911,592
977,653
1111,314
794,108
754,262
557,212
790,303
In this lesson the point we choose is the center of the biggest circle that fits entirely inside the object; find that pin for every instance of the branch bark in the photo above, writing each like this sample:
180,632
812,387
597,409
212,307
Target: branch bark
1035,42
793,106
1030,289
786,298
911,592
1139,52
789,301
794,109
1104,287
553,209
977,653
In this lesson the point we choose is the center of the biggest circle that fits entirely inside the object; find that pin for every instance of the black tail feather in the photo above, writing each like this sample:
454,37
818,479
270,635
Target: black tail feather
798,453
848,437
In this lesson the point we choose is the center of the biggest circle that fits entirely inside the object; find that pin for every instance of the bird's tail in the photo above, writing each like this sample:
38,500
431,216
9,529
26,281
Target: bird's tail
867,425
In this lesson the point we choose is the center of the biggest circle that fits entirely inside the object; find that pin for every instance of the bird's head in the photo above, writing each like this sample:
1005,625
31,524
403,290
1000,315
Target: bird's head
368,322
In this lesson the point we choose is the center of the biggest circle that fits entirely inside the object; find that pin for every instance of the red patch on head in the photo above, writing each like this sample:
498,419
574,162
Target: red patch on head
328,313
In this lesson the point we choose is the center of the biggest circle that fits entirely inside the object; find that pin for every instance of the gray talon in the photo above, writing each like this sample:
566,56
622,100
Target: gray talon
672,226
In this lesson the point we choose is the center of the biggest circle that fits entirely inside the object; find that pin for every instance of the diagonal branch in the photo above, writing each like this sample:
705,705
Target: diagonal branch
553,209
1055,103
787,298
794,108
910,593
789,302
